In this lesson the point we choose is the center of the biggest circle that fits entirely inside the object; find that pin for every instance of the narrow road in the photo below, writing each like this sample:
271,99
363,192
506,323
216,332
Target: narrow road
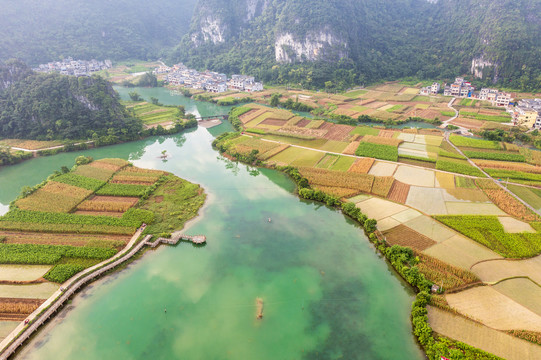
446,136
47,148
20,334
447,122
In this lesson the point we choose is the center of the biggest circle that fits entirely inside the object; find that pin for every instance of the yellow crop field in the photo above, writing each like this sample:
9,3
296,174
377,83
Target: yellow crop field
382,140
507,165
102,174
134,179
54,197
382,185
510,205
362,166
362,182
337,191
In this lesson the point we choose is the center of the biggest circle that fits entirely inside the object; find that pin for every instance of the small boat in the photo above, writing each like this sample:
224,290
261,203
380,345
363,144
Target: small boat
270,220
259,305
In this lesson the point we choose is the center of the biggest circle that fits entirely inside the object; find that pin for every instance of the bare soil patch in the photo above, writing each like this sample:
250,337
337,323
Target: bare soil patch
337,131
274,122
303,123
404,236
399,192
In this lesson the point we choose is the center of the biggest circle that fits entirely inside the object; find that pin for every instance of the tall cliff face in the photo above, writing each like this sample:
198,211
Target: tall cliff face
496,40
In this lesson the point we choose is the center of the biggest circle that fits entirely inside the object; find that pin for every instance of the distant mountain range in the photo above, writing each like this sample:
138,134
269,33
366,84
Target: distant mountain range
315,41
312,43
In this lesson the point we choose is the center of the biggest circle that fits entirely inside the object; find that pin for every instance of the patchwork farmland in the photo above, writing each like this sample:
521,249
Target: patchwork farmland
428,192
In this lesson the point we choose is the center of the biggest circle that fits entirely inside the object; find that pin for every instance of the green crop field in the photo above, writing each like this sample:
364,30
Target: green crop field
355,93
343,163
458,140
154,114
457,166
487,230
378,151
503,156
365,130
530,195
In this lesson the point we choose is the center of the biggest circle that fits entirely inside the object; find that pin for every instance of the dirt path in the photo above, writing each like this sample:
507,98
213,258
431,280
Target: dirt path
49,148
446,137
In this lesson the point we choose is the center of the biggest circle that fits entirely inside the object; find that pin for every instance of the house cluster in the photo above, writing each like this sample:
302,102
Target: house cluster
74,67
464,89
527,113
209,81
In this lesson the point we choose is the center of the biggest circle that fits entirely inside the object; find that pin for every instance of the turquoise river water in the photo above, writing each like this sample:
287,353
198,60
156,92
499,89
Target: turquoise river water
326,293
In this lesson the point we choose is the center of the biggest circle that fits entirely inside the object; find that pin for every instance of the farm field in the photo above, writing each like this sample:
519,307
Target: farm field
523,291
485,304
482,337
32,291
461,252
152,114
22,272
496,270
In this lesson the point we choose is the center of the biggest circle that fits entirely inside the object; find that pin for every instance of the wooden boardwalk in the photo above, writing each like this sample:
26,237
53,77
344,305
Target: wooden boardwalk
55,304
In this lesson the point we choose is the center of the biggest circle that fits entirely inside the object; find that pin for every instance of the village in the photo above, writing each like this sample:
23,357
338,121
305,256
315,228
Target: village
210,81
69,66
526,112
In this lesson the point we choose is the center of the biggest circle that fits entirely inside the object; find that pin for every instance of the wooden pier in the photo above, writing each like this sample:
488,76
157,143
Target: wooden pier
175,238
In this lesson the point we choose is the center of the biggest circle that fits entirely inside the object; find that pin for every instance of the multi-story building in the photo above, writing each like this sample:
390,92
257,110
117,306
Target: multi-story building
459,88
431,90
74,67
527,113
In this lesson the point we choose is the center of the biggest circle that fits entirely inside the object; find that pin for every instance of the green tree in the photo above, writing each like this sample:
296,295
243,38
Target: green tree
134,96
275,100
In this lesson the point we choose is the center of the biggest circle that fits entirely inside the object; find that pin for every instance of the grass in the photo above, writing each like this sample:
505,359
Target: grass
464,182
307,158
327,161
359,108
355,93
488,231
378,151
422,106
447,113
365,130
530,195
343,163
173,203
395,108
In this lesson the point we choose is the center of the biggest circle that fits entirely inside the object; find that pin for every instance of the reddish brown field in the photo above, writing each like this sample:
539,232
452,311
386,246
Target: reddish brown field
17,309
303,123
336,131
14,237
274,122
386,133
399,192
250,115
104,165
468,123
361,166
351,148
404,236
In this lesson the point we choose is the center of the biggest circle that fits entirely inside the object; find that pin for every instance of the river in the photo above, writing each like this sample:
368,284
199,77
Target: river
326,292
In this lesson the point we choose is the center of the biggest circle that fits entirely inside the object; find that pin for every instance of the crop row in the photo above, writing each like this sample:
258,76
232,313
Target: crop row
80,181
378,151
49,254
474,143
94,172
511,174
132,218
122,190
143,180
382,185
66,228
487,230
114,206
62,272
504,156
54,197
362,182
506,165
457,167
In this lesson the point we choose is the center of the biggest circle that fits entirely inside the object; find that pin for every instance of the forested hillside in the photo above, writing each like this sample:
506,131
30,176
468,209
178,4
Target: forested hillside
52,106
45,30
311,42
